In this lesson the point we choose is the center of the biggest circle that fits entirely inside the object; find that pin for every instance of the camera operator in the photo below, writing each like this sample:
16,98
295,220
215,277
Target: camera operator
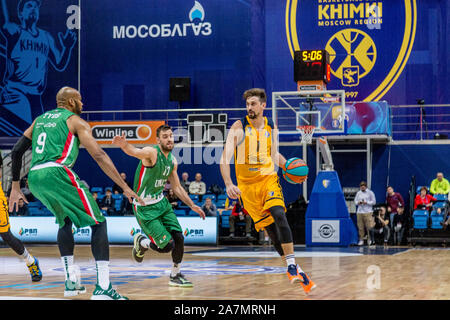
381,225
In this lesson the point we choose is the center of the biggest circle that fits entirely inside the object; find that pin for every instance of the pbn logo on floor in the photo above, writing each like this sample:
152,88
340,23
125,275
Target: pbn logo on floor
197,27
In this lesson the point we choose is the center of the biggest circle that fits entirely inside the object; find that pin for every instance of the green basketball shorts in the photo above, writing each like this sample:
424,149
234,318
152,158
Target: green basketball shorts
62,192
157,221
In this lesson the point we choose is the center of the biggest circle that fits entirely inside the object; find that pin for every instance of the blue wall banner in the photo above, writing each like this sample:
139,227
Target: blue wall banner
38,56
120,230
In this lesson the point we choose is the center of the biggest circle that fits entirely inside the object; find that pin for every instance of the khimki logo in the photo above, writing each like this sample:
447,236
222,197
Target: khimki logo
196,27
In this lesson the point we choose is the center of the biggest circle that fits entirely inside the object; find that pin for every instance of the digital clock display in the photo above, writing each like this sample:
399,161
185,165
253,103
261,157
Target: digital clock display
311,65
314,55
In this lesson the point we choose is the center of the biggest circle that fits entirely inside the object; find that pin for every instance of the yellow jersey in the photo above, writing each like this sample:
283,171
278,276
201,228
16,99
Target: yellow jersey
253,154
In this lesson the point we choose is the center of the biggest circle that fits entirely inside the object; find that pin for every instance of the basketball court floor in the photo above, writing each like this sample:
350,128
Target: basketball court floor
243,273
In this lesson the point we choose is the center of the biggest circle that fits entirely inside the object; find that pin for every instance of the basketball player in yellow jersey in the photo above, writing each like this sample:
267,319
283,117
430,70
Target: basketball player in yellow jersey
253,141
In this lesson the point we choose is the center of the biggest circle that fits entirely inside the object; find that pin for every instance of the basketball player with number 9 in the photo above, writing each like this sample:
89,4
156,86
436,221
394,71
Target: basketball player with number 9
253,141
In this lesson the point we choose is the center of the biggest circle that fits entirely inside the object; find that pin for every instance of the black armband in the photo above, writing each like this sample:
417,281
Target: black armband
16,156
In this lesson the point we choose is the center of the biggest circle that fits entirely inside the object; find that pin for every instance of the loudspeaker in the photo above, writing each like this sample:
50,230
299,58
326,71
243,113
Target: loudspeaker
180,89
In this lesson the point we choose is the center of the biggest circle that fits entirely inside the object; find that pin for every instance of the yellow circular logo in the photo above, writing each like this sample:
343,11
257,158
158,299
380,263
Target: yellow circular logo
352,53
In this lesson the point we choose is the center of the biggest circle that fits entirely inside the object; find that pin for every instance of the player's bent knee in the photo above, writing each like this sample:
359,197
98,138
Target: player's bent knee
283,226
169,247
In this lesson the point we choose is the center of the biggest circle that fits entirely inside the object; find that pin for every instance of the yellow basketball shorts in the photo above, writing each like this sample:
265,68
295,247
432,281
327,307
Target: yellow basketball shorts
257,198
4,214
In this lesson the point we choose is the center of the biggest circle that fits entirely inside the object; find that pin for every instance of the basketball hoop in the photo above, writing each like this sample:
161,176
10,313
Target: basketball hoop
307,133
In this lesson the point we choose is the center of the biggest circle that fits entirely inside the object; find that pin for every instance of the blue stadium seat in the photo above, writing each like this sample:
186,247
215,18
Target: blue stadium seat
441,197
436,220
420,219
418,189
209,195
97,189
225,221
194,197
221,197
220,204
118,198
180,213
439,204
100,197
108,188
34,204
34,211
45,212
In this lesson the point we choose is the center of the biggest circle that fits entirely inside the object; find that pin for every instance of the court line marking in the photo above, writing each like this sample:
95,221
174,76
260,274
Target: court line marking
27,298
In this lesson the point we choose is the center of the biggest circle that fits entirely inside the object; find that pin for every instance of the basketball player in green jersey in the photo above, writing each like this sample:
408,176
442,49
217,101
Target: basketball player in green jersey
55,137
156,217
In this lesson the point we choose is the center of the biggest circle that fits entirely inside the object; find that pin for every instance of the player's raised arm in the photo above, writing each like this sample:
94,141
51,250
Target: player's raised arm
60,59
6,24
277,157
147,154
83,130
181,193
235,134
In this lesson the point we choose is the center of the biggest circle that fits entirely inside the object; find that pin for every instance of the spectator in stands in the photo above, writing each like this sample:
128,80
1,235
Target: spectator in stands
22,209
424,200
398,226
381,226
95,195
116,189
108,203
209,208
198,187
185,182
440,185
173,199
240,214
227,206
364,199
394,201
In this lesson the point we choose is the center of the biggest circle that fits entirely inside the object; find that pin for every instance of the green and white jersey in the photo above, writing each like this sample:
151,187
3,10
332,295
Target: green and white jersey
52,140
149,182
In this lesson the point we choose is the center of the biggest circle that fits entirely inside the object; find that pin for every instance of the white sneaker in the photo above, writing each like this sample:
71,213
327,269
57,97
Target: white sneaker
360,243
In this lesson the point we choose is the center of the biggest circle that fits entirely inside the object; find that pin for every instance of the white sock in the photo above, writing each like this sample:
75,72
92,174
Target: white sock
145,243
175,269
103,274
29,259
290,259
67,262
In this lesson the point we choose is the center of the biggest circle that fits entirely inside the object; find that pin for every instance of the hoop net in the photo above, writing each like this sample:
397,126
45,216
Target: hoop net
307,133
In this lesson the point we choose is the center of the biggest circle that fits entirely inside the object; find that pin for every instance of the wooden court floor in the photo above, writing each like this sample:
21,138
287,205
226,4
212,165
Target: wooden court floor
243,273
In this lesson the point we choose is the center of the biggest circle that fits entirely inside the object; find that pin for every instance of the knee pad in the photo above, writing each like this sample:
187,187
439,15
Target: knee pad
281,222
169,247
178,237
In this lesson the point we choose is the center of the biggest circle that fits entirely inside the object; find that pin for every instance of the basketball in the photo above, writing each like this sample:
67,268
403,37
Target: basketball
296,171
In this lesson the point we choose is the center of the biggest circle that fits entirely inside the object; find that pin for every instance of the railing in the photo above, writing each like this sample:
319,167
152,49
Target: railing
420,122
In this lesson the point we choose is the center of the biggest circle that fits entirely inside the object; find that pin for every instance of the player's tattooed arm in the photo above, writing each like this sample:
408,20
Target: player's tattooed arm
148,155
181,193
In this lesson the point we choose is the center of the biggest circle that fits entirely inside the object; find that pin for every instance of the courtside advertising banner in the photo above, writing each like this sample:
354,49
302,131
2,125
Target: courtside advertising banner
120,230
136,132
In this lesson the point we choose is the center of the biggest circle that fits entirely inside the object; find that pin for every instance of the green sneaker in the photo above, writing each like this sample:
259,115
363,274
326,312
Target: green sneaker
73,289
180,281
110,294
138,250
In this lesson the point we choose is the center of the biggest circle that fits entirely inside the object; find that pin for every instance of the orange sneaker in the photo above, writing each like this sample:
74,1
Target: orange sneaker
293,275
306,282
